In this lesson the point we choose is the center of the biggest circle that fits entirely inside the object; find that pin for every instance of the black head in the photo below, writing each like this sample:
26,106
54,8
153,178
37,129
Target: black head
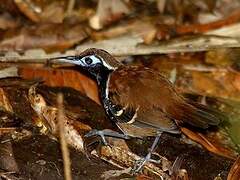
95,61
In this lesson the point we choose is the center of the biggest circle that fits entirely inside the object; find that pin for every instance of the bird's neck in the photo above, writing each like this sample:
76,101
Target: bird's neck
102,81
103,88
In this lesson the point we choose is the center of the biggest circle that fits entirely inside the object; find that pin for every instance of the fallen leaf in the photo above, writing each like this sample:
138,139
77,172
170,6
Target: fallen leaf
63,77
7,21
218,84
234,173
201,139
46,36
53,13
29,9
108,11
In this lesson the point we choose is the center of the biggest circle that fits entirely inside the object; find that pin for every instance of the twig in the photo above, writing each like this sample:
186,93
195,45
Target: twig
64,147
202,68
201,28
132,46
70,7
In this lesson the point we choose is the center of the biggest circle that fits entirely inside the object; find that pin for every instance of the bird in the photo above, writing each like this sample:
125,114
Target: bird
140,101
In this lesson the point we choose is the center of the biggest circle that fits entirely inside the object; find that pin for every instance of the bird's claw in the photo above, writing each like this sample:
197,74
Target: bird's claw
141,162
100,136
138,166
99,133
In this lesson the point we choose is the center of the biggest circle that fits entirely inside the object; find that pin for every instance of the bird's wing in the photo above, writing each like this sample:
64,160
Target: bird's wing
151,119
142,96
138,100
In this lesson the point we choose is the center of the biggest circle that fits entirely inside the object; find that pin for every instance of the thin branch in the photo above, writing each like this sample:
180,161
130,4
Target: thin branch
64,146
70,7
202,68
130,45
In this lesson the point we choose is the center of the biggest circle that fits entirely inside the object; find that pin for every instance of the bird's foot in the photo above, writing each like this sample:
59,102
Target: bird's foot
96,138
141,162
95,132
105,132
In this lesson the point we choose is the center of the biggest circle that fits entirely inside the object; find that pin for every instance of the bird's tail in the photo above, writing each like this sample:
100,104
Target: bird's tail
199,115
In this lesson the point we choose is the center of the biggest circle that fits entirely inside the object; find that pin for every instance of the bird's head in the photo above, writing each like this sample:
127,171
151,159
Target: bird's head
94,61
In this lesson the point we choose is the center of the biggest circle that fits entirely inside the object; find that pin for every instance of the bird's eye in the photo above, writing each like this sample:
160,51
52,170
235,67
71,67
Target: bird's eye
88,60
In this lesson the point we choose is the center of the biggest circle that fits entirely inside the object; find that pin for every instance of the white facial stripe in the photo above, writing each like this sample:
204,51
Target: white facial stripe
105,64
108,66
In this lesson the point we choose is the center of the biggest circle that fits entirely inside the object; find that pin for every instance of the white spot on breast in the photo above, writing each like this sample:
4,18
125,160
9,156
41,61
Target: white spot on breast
134,117
119,113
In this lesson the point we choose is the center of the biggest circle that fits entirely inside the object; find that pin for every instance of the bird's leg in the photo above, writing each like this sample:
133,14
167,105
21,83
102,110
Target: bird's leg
106,132
140,163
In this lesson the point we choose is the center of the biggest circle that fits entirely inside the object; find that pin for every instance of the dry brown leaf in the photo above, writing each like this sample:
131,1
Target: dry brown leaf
9,6
236,82
214,148
108,11
234,173
4,101
46,36
42,11
29,9
143,28
7,21
48,115
144,177
63,77
218,84
53,13
219,57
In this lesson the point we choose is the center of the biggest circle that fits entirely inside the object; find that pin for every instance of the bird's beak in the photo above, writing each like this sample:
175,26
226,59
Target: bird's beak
67,59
